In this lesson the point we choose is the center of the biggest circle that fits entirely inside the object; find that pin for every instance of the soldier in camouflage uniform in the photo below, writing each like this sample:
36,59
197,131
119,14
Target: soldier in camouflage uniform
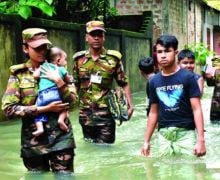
54,148
94,71
212,75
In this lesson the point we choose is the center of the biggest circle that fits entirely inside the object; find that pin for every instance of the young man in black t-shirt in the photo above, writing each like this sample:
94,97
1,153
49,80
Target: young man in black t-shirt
175,105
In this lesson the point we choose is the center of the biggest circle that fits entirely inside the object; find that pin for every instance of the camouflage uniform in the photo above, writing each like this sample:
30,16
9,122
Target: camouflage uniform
19,100
215,81
93,100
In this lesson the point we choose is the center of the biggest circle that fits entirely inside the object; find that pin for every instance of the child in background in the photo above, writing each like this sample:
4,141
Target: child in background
48,92
146,67
186,60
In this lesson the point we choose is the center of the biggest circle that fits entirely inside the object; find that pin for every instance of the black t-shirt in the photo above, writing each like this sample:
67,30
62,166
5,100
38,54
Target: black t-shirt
173,94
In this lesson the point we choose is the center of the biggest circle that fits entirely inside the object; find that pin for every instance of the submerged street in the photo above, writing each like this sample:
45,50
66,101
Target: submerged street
121,160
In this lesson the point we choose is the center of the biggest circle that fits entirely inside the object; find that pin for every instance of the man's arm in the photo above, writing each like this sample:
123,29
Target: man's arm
201,85
200,148
127,91
72,89
151,125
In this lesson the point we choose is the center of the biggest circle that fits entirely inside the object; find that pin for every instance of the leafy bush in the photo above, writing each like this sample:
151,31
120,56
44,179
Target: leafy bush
201,52
62,9
24,7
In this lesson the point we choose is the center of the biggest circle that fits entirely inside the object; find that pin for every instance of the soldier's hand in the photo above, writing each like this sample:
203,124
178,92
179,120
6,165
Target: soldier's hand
57,106
130,110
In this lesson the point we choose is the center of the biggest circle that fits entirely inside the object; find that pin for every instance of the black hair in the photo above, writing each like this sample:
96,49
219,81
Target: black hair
25,45
186,53
53,52
146,64
168,41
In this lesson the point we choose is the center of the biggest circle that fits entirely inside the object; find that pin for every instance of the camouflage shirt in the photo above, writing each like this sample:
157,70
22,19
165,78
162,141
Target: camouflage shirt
215,103
215,81
19,100
92,95
216,64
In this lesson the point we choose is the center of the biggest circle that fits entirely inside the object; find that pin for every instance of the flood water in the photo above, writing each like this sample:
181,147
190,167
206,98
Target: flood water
122,160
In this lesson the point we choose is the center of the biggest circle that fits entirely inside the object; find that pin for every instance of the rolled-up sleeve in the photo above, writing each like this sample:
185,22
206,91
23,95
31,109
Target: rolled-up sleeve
11,101
69,94
120,75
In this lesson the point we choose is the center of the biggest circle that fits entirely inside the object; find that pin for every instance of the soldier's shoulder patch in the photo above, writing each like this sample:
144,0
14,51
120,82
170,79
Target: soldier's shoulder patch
16,68
78,54
114,53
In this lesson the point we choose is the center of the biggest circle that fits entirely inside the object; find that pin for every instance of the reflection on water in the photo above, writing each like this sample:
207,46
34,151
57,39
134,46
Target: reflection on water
121,160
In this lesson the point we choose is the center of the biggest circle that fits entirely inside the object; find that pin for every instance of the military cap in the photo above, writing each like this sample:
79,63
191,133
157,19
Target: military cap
94,26
35,37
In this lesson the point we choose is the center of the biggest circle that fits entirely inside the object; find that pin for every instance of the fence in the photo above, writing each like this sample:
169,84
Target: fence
71,38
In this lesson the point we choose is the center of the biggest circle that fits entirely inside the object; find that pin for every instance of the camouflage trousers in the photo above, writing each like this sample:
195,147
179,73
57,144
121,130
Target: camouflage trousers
98,125
58,161
215,106
99,134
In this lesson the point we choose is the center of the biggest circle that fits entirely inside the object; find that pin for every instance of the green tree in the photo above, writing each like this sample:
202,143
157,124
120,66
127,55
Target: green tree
201,52
98,9
58,9
24,7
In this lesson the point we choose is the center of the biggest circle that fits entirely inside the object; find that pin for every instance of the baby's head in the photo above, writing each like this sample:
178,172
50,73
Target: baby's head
57,56
146,65
186,59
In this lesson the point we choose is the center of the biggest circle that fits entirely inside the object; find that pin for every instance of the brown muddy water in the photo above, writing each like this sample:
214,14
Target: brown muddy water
122,160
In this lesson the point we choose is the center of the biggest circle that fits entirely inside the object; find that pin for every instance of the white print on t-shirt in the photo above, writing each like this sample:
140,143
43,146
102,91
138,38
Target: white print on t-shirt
170,87
170,95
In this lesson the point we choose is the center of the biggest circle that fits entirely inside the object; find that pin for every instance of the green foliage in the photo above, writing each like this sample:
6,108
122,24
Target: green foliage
24,7
112,11
98,9
201,52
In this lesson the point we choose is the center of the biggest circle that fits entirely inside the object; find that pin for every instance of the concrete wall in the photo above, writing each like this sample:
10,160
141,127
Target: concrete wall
134,7
177,17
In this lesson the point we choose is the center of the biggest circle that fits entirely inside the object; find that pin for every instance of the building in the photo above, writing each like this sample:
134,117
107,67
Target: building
191,21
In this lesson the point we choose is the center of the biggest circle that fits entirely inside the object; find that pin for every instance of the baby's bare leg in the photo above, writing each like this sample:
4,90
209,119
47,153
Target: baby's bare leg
40,129
61,120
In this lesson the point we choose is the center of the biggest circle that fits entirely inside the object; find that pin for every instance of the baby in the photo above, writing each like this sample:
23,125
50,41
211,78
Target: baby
48,91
